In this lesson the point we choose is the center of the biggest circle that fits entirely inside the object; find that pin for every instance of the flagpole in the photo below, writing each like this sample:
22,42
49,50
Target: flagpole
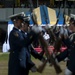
37,3
13,5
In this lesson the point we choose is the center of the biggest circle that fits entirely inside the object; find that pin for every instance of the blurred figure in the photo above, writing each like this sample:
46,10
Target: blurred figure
18,42
70,52
26,52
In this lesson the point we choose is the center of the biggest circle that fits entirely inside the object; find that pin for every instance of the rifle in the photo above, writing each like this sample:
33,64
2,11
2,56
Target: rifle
49,57
44,46
41,39
58,41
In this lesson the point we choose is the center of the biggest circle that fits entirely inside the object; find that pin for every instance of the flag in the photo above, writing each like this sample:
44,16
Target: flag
6,47
67,18
60,18
46,15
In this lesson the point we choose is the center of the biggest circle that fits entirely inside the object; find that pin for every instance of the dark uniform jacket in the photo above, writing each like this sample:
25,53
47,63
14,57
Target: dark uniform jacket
25,56
17,44
70,52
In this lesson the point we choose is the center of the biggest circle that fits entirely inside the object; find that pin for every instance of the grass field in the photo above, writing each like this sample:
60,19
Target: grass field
47,71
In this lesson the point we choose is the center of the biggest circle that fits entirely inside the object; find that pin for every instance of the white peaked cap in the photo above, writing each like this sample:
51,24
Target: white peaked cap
18,14
27,17
72,16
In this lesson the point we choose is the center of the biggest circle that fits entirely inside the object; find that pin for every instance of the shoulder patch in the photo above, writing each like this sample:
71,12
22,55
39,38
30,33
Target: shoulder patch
16,34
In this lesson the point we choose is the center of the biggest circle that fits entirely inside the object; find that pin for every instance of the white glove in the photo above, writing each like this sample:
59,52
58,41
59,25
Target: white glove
37,29
47,27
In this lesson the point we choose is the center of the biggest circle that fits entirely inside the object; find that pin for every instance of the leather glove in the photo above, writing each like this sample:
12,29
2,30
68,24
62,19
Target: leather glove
37,29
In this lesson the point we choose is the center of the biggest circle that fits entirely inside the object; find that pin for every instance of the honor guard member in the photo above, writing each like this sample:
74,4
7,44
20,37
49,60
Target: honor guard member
17,42
70,52
26,52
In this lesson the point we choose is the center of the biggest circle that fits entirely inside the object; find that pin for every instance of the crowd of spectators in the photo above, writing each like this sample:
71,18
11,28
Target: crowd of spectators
25,4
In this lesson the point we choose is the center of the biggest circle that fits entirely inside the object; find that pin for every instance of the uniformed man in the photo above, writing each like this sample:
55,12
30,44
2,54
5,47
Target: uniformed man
26,52
70,52
17,42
